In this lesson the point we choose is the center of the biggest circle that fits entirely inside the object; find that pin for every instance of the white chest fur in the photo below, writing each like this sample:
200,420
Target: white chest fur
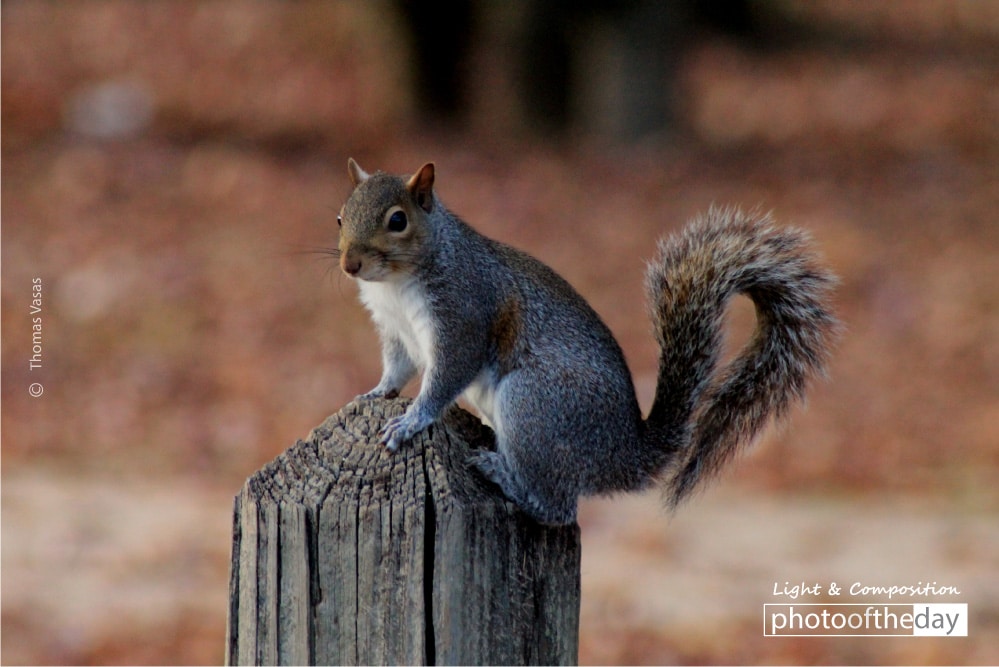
400,310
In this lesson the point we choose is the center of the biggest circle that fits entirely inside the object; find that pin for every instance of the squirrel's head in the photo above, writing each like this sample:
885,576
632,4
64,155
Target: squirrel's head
383,223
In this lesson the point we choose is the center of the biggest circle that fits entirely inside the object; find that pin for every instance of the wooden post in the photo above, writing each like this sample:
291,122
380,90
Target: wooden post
343,554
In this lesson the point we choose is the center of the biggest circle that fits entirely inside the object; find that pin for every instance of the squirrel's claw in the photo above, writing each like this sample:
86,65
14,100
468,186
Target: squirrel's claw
402,429
377,392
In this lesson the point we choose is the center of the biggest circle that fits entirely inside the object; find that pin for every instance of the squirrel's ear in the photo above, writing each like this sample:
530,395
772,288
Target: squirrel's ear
357,175
421,186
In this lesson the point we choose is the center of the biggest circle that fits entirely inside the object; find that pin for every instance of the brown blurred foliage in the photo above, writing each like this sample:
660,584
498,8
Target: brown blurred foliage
171,174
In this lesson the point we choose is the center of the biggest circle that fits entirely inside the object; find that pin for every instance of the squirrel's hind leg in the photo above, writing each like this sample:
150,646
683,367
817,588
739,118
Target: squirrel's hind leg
496,468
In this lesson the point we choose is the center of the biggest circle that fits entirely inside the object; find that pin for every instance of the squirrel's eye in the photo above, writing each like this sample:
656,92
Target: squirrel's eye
339,221
397,222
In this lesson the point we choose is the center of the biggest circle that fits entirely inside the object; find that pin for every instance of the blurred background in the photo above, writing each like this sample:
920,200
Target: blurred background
173,170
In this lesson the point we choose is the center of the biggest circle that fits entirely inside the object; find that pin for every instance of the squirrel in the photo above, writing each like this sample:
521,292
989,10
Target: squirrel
489,323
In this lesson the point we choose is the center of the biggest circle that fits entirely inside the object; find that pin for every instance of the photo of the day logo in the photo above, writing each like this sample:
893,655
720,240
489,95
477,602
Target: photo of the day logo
865,620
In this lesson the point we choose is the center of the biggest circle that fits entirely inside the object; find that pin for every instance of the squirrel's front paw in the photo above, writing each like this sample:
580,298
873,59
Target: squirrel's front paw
377,392
402,429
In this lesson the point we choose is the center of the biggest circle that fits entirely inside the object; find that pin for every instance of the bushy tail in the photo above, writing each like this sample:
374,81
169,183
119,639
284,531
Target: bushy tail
700,416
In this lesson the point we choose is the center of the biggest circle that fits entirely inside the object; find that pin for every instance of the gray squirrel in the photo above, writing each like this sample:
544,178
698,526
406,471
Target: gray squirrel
489,323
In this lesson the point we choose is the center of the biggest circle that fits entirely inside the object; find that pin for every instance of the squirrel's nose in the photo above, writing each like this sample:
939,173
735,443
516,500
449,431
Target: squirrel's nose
350,265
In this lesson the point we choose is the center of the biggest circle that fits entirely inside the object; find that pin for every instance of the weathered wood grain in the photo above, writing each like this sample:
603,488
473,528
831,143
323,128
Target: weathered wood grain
343,554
